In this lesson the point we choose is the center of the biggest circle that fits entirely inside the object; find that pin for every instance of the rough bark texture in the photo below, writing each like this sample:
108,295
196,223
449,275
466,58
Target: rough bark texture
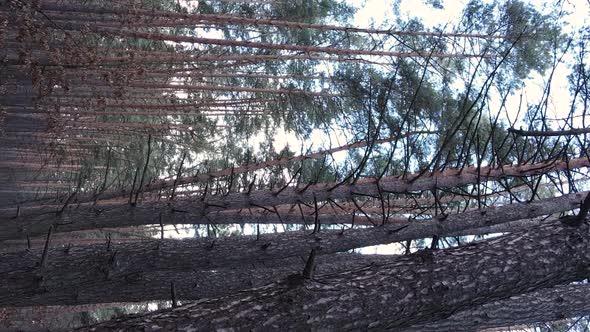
34,221
544,305
418,288
425,228
127,260
103,264
506,227
36,288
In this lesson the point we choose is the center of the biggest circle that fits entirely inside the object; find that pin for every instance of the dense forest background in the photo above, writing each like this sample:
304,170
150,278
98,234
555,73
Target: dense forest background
270,164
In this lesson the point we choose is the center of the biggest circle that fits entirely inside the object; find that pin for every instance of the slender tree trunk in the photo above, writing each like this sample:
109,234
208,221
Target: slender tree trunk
203,178
173,58
182,19
179,106
154,87
35,221
484,226
251,44
419,288
550,133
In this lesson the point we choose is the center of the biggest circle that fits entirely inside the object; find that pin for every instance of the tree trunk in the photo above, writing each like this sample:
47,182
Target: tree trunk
203,178
75,288
172,19
549,133
423,287
35,221
96,264
156,36
549,304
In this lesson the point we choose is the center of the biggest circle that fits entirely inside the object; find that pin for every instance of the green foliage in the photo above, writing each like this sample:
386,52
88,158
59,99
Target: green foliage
435,3
530,37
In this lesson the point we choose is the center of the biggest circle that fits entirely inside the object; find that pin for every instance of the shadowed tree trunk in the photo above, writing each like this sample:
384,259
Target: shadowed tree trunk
105,265
102,261
148,285
548,304
419,288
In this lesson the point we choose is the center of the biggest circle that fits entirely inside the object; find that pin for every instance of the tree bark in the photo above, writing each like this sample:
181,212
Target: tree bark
35,221
419,288
550,304
172,19
258,45
107,263
183,87
202,178
146,285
